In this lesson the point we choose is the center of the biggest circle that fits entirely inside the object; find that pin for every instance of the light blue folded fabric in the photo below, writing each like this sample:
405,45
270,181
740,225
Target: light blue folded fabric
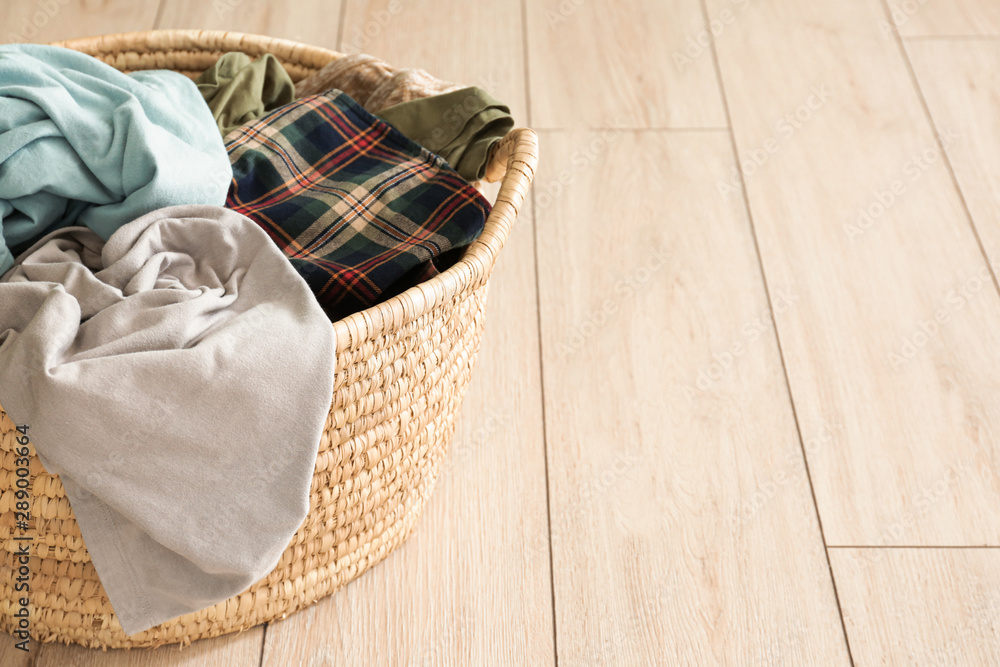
83,144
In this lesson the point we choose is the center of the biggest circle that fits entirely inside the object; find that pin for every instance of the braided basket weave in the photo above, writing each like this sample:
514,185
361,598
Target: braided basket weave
402,370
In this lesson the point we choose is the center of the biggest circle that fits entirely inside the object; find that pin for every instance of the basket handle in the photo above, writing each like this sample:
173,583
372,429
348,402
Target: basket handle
513,159
501,152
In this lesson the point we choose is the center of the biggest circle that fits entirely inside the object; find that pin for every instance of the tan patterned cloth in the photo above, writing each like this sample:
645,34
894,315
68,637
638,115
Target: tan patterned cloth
372,82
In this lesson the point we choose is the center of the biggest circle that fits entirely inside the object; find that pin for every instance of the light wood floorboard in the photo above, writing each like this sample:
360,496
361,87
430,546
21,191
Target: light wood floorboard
313,22
42,21
663,551
238,650
961,83
640,63
11,656
926,18
936,607
895,333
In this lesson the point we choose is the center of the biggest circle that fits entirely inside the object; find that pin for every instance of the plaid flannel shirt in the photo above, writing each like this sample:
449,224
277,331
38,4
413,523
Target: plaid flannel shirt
361,211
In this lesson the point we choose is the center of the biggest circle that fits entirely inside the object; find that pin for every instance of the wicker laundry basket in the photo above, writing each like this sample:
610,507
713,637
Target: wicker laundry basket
402,370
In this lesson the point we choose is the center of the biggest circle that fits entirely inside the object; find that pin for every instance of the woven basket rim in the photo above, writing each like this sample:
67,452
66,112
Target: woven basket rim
513,163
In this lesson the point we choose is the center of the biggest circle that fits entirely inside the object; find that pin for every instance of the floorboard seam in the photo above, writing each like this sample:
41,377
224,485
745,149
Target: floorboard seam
941,148
777,336
538,319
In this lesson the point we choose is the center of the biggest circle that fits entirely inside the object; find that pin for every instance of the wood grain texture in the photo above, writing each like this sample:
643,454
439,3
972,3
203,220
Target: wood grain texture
961,84
896,331
926,18
470,42
641,63
313,22
921,606
683,529
238,650
42,21
471,585
13,657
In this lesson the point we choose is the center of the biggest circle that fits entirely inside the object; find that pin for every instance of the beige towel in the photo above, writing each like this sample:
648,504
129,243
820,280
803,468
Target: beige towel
178,379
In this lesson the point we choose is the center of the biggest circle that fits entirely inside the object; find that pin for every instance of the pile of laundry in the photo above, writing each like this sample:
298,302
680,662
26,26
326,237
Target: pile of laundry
172,253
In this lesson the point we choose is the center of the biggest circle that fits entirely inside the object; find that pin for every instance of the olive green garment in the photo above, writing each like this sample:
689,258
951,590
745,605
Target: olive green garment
239,90
460,126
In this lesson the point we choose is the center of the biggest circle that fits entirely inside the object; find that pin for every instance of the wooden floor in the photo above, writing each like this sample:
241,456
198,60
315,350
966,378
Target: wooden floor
739,399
